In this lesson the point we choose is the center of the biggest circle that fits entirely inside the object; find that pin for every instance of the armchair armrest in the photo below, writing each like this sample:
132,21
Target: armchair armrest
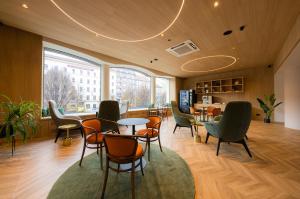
213,128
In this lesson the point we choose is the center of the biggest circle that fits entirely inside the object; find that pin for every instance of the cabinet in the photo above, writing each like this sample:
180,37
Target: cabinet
229,85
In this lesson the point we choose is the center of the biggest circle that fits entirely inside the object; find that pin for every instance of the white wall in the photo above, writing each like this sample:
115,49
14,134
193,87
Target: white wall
287,87
279,93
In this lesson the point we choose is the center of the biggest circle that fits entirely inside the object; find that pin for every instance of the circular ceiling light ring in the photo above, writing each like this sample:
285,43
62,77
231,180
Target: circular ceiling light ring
210,70
112,38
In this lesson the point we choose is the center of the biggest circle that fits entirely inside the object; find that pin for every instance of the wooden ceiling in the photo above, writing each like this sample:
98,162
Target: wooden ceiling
267,23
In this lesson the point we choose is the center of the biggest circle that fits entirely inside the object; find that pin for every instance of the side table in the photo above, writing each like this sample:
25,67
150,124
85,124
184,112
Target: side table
67,141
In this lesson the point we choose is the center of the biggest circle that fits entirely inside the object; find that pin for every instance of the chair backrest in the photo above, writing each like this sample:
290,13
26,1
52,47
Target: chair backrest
109,110
54,113
210,109
120,146
216,111
124,105
154,122
91,126
235,121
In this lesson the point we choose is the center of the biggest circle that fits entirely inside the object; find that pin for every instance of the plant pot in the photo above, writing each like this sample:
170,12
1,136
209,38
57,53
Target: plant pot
67,141
197,138
267,120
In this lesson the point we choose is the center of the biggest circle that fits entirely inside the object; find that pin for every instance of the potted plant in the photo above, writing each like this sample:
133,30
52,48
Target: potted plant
268,106
18,118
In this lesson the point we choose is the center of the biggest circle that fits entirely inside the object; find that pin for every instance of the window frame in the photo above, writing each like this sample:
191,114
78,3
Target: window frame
72,55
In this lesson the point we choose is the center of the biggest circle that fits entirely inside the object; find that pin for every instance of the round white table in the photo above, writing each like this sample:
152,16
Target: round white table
132,122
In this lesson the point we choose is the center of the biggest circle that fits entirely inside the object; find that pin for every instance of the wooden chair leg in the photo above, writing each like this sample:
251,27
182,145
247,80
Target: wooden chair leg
118,168
246,137
246,147
105,178
57,135
141,165
192,131
207,136
132,179
148,140
218,148
83,151
101,156
159,143
175,128
81,131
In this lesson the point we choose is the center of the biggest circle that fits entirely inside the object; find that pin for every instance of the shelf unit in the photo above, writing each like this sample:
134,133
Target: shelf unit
219,86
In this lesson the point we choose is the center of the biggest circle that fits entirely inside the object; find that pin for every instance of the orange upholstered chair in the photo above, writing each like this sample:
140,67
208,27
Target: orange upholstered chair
213,111
122,149
151,133
93,137
194,112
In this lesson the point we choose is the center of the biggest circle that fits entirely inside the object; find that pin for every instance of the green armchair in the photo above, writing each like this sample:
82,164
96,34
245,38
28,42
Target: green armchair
181,119
233,125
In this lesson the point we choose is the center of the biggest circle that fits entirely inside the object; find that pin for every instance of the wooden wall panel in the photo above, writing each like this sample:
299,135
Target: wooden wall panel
20,64
259,81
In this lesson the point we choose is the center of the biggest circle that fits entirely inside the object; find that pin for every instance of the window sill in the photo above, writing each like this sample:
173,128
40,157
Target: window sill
71,114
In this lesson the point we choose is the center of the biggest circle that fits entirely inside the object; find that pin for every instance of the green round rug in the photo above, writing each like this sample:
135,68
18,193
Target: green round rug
165,176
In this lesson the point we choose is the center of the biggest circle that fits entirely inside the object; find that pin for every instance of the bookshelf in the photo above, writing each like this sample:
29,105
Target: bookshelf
219,86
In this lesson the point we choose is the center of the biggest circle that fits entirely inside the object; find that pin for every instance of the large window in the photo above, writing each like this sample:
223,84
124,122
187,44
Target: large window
162,91
67,81
131,85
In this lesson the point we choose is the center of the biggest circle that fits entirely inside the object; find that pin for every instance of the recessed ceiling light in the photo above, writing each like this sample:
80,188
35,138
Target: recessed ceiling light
216,4
162,34
155,59
169,39
119,39
242,28
24,5
227,32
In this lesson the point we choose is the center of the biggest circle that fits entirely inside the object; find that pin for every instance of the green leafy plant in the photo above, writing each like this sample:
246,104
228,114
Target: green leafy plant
268,106
19,118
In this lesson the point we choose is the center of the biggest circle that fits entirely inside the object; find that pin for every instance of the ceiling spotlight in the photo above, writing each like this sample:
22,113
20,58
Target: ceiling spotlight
162,34
155,59
169,39
24,5
227,32
242,28
216,4
151,61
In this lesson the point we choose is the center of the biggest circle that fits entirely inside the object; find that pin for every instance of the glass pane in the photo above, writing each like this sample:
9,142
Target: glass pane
131,85
162,91
73,83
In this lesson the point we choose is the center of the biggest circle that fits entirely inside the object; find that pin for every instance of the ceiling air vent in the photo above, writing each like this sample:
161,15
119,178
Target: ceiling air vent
183,48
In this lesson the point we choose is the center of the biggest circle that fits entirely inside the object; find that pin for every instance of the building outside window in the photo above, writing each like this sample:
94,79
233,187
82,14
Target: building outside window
61,86
131,85
162,91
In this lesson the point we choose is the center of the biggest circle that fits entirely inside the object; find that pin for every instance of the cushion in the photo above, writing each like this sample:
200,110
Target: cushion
144,132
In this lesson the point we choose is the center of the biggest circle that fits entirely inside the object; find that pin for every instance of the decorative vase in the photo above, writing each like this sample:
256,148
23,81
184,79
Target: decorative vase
197,138
267,120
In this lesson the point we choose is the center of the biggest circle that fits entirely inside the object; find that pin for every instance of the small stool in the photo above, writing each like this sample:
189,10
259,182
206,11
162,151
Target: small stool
67,141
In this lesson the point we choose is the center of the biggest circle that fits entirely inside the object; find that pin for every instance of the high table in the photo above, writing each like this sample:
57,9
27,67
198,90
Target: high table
132,122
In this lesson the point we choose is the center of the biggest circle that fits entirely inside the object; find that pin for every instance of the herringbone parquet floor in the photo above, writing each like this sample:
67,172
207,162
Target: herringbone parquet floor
273,172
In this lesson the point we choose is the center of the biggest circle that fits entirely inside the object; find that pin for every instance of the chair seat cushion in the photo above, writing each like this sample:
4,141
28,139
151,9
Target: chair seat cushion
92,138
144,132
139,151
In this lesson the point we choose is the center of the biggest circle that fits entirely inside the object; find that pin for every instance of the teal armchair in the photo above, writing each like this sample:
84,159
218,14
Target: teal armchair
181,119
233,125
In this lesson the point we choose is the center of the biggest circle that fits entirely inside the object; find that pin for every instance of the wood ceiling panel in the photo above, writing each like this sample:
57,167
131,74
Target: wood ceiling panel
267,24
